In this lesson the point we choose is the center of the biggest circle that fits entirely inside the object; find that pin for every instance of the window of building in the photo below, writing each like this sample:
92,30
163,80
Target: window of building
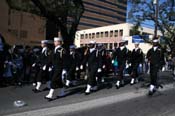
90,36
111,33
115,45
110,45
106,45
106,34
23,34
144,33
97,35
86,36
121,32
82,36
102,34
116,33
93,35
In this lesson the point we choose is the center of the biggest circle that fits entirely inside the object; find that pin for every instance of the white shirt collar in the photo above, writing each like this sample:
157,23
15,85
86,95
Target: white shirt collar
92,49
136,48
45,48
57,47
122,47
155,48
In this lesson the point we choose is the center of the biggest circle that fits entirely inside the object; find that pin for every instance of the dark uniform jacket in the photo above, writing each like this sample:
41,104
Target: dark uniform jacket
121,55
58,59
156,57
136,56
93,59
43,59
73,60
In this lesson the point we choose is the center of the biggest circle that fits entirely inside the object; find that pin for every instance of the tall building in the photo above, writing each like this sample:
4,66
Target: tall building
102,13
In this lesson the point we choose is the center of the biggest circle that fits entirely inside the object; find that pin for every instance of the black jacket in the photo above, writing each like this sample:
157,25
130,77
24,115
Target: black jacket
136,56
156,57
93,59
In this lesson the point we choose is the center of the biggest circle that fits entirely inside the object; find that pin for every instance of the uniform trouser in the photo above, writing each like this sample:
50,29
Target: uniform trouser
134,72
92,71
120,72
1,72
71,74
18,75
42,76
99,76
78,74
154,74
56,81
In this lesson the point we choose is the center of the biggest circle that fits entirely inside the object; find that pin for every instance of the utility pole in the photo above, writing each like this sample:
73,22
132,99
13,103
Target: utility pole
156,2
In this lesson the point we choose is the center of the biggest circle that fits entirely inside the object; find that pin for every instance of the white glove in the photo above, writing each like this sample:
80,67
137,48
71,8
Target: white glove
77,68
33,65
81,67
50,69
163,68
127,66
99,70
104,66
112,61
10,63
44,67
64,72
140,65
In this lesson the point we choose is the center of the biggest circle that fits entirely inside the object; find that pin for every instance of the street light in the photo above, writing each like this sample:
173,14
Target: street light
156,3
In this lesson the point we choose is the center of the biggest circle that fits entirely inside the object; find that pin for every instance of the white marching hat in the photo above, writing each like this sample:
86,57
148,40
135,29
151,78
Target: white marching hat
58,39
44,41
72,46
136,43
92,42
155,40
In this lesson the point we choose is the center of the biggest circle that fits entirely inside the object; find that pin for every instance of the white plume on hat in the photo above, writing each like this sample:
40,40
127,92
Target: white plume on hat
58,39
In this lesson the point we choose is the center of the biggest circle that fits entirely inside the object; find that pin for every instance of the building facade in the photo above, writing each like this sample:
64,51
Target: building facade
102,13
27,29
110,36
19,27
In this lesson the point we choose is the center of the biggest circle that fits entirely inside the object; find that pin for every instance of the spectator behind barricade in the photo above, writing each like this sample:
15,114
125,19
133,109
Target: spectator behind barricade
27,64
1,59
17,61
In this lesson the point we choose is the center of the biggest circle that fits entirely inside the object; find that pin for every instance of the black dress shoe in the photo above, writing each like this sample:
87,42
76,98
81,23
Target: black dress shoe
151,92
48,99
58,97
36,91
67,86
87,93
117,87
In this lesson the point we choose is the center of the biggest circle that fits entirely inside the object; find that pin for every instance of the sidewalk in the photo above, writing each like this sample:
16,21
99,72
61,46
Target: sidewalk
75,101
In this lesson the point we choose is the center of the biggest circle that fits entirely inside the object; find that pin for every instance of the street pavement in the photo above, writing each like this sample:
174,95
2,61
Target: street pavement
159,105
36,102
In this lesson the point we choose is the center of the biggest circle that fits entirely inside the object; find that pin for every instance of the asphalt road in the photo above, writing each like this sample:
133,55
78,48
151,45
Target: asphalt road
36,101
161,104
